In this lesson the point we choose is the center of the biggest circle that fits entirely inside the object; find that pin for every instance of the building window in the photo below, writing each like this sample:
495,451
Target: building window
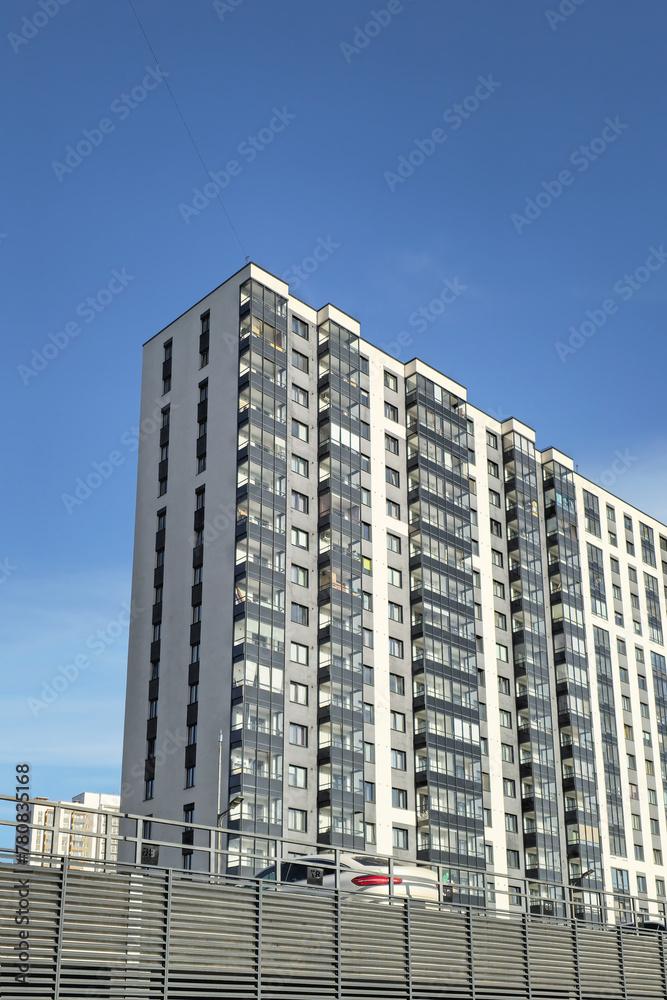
496,528
299,538
400,838
368,675
392,476
507,753
369,791
505,719
399,760
297,777
639,852
399,798
509,788
391,412
299,328
494,498
299,395
299,575
298,693
504,685
190,777
369,753
369,713
299,502
391,381
300,362
395,577
500,620
149,788
492,468
396,647
395,612
298,735
299,653
299,613
511,823
397,721
194,694
367,637
152,709
513,859
488,817
296,820
365,496
502,652
192,735
299,465
396,684
496,557
393,509
393,543
299,430
391,444
366,531
367,601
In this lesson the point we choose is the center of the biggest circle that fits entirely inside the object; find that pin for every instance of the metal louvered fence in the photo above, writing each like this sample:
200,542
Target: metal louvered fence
165,934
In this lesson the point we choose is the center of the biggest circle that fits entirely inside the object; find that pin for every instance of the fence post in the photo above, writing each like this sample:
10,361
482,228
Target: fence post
260,886
471,953
621,962
526,950
577,969
167,932
408,947
339,944
61,921
661,938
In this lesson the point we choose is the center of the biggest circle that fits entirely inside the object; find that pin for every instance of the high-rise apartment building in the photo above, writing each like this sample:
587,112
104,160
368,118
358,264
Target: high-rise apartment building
84,828
416,633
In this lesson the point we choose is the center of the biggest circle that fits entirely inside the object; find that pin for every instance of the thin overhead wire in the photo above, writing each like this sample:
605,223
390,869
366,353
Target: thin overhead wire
186,127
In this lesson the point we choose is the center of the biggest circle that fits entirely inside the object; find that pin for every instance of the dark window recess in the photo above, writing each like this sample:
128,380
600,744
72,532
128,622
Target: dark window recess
202,411
159,539
151,729
149,769
166,369
162,469
201,446
191,714
164,435
155,651
196,594
158,576
205,332
191,755
153,688
193,673
195,632
197,556
199,518
157,613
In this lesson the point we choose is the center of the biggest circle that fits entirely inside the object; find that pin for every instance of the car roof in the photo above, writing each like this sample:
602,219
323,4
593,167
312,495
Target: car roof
363,861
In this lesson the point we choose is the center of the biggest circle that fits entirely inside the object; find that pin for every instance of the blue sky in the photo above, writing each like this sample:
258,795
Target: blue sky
338,98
